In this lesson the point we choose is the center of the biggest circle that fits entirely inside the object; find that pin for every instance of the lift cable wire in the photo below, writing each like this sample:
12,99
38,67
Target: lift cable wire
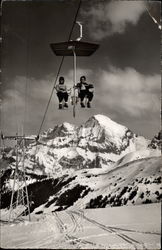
59,69
155,20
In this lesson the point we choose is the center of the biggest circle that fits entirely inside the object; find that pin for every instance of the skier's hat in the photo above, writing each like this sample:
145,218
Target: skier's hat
82,77
61,78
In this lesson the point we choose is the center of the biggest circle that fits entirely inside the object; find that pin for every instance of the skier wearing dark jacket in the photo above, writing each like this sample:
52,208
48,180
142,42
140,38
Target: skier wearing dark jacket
85,90
62,93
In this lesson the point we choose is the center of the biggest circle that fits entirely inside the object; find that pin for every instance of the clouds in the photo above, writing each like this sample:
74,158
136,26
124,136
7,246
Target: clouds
25,101
129,92
106,18
118,93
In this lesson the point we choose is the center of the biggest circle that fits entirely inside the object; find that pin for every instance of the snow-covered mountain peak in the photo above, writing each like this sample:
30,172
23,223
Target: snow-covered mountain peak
103,128
98,142
72,153
59,131
111,128
68,126
101,134
65,128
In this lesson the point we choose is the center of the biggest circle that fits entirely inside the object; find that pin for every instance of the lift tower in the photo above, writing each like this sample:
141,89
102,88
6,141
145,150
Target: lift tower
19,204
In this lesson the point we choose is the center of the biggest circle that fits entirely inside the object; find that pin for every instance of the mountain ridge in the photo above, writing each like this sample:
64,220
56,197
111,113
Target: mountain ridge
99,141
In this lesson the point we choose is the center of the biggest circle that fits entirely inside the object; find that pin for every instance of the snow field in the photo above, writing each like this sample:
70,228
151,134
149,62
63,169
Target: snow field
128,227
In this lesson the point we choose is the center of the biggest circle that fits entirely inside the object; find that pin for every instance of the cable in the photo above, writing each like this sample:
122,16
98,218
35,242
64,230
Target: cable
153,18
75,20
51,95
62,60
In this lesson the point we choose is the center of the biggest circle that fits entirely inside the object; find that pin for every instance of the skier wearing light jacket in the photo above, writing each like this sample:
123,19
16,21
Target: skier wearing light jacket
62,92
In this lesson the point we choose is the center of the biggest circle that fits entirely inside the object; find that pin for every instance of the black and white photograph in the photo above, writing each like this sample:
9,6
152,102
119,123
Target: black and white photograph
80,124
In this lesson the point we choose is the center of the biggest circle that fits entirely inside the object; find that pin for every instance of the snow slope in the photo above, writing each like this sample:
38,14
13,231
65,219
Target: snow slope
132,227
136,155
137,182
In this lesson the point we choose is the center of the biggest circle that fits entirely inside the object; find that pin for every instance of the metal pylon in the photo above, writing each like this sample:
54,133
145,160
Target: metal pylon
19,204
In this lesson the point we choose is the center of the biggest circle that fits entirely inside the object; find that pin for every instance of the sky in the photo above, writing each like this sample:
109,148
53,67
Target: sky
125,70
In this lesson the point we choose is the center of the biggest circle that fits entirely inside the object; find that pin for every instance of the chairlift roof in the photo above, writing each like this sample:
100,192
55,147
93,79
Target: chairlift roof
66,48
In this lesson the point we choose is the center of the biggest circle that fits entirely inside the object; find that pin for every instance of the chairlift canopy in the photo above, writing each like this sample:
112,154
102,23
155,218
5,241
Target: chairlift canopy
67,48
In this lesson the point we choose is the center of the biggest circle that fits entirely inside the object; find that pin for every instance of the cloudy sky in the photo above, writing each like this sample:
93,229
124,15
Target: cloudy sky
125,70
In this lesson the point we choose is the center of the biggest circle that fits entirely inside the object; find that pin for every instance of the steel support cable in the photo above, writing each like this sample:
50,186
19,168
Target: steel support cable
157,22
1,121
62,60
50,96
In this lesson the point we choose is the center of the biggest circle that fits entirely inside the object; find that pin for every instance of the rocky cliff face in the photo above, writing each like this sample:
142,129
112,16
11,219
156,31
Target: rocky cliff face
96,143
156,141
99,142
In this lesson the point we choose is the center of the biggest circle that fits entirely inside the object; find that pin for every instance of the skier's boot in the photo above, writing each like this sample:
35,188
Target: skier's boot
66,105
88,105
60,105
82,105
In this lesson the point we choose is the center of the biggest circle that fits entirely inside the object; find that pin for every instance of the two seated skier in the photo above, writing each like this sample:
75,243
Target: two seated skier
85,90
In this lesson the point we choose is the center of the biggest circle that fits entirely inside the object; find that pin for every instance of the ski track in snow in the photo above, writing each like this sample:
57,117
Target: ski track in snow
126,238
77,225
82,229
70,238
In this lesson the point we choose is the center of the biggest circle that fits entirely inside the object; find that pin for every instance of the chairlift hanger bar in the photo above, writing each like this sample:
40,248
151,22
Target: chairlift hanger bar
81,48
15,137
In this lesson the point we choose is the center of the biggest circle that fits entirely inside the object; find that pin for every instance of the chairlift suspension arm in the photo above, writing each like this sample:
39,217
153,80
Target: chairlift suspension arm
81,31
12,137
16,137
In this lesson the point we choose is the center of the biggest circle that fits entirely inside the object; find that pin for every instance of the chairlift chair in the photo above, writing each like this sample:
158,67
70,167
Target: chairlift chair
74,48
